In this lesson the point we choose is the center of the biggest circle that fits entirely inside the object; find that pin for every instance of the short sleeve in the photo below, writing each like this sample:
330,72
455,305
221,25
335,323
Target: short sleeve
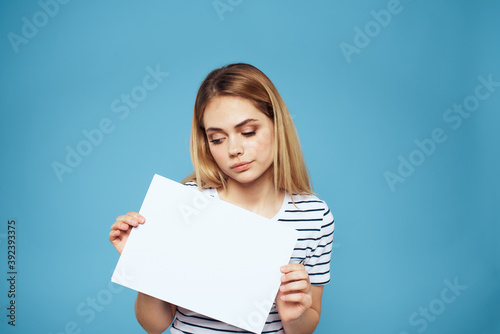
317,262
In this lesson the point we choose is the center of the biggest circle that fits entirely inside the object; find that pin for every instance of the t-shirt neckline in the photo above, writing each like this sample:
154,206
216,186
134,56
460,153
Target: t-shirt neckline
286,199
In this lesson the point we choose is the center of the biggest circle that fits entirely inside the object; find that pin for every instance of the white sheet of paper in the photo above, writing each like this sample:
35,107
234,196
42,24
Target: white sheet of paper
205,255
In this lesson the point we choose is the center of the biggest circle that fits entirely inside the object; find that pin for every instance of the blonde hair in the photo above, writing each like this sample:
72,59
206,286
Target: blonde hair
246,81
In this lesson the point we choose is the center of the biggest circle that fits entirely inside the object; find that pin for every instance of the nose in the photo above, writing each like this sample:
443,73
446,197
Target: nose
235,147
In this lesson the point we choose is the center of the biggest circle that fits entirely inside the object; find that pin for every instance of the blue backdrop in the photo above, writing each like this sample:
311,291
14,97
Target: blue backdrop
396,104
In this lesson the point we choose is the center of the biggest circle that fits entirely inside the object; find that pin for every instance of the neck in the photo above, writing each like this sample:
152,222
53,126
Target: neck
259,196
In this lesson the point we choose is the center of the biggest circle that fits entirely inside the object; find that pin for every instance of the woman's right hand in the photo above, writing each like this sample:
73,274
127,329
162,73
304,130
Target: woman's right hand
121,228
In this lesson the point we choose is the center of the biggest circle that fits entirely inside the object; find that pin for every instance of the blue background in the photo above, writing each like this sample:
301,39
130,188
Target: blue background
394,248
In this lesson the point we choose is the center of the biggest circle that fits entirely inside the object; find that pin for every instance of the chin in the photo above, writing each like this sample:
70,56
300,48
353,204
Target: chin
243,179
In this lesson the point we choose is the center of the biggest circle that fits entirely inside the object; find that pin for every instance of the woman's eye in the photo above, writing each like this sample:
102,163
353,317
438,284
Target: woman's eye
249,134
216,141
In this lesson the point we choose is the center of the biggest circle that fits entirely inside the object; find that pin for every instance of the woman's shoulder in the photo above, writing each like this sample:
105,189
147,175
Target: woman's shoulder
307,199
310,215
308,203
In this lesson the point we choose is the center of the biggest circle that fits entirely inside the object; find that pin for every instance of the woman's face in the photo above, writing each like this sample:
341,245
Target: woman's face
240,138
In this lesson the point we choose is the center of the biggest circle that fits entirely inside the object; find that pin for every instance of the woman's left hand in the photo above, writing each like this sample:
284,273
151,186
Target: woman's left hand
294,296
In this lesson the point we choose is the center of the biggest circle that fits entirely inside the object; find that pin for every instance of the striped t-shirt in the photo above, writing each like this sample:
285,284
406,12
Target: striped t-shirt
313,220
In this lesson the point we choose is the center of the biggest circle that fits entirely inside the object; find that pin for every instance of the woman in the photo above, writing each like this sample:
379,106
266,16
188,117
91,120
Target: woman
245,150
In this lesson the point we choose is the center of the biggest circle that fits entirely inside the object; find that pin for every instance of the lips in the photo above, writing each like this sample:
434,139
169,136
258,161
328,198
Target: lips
241,166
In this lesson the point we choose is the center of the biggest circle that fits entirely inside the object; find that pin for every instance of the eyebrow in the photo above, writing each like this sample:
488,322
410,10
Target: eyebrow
239,125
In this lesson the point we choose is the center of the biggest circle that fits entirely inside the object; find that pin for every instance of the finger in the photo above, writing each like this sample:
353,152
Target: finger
295,276
301,298
120,225
115,225
292,267
127,219
296,286
137,216
113,235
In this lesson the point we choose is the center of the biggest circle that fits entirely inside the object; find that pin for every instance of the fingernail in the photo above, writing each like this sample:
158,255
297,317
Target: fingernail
141,219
